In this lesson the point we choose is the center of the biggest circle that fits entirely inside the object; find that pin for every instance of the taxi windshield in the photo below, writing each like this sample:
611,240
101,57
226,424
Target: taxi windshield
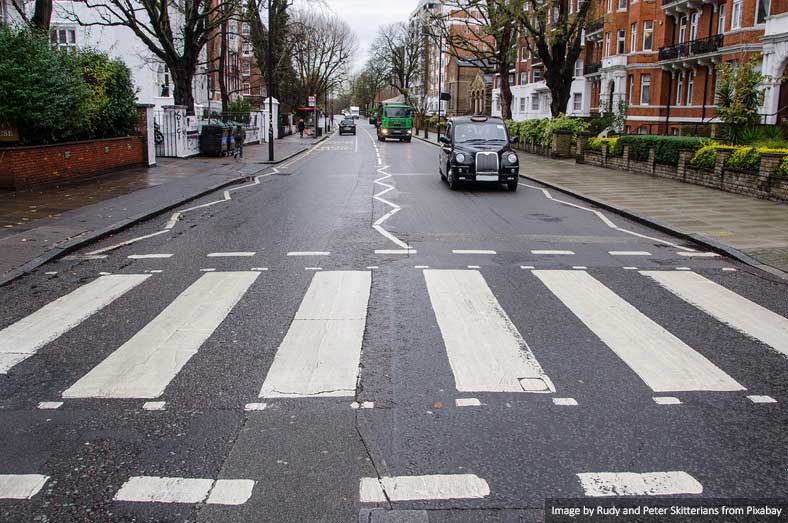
479,132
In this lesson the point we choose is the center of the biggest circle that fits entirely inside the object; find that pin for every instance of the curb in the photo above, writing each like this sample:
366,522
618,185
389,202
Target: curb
425,140
68,246
709,243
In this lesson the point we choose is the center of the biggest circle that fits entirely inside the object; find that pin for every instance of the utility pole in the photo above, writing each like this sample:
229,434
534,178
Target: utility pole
270,73
440,80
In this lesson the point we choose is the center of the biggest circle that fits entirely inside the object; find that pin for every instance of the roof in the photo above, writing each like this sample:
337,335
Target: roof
467,119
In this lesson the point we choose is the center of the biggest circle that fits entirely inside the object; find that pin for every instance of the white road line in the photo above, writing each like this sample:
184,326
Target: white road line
699,254
154,405
683,269
605,219
565,402
467,402
666,400
663,362
472,251
231,254
320,353
728,307
49,405
144,366
25,337
308,253
421,266
86,257
396,251
148,256
208,270
21,486
154,489
260,269
474,267
526,267
603,484
630,268
52,273
761,399
251,407
580,267
728,269
362,405
372,267
313,268
415,488
629,253
485,349
378,225
552,252
127,242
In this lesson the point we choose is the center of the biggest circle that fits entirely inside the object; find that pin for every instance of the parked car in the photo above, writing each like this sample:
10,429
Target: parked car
477,149
348,125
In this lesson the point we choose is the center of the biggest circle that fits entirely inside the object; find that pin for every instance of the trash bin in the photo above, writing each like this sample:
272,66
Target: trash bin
214,140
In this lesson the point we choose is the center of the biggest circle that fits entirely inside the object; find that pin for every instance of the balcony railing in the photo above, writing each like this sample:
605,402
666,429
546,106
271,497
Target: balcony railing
591,68
594,26
694,47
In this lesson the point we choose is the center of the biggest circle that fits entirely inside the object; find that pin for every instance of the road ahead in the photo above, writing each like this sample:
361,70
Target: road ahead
346,334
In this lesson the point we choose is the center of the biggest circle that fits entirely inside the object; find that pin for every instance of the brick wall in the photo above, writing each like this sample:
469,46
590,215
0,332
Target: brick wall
27,167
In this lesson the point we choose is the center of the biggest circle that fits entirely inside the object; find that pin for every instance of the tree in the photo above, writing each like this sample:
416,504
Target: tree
322,47
398,50
174,31
739,97
42,13
487,37
554,35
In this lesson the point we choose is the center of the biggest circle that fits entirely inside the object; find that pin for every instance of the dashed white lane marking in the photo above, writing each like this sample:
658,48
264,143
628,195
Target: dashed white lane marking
565,402
395,251
666,400
472,251
378,225
630,268
51,273
553,252
149,256
683,269
309,253
208,270
580,267
144,365
251,407
105,273
25,337
467,402
259,269
157,271
362,405
86,257
421,266
231,254
154,489
726,306
663,362
699,254
320,353
49,405
728,269
603,484
313,268
372,267
414,488
154,405
474,267
605,219
526,267
485,349
629,253
21,486
761,399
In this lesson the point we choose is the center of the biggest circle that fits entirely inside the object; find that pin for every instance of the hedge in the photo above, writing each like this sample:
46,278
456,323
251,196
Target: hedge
742,157
613,146
540,130
666,148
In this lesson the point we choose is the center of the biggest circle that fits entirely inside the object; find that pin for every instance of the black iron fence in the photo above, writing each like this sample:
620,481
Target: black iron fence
166,126
695,47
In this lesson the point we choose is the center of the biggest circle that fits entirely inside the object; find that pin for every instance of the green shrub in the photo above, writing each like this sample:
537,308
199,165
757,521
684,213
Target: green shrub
613,149
112,103
745,158
666,148
706,156
562,123
782,169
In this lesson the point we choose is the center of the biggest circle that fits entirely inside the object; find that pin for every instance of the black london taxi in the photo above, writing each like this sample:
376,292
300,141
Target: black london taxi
348,125
477,149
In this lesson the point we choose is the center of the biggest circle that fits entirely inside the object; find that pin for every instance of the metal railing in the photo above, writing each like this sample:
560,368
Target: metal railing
591,68
695,47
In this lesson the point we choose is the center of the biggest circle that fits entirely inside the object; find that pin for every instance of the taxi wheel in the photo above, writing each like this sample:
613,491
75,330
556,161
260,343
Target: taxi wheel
453,183
512,186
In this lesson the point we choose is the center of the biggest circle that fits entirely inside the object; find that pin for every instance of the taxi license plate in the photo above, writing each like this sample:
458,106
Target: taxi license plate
486,177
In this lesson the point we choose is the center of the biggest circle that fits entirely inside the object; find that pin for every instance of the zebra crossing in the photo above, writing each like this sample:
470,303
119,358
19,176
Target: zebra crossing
322,349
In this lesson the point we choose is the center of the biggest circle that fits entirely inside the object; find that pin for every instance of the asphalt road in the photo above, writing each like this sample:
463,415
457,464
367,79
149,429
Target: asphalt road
345,339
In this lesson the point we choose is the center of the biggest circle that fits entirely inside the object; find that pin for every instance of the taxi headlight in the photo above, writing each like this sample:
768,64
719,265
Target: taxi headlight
511,158
459,158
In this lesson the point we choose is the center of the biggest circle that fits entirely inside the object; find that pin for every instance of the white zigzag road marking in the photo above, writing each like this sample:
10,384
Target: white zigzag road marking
378,225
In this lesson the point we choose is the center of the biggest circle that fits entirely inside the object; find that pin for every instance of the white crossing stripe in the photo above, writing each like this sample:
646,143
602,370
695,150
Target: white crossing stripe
565,402
231,254
467,402
663,362
761,399
21,486
432,487
604,484
154,489
629,253
472,251
144,366
559,253
25,337
149,256
666,400
485,350
321,351
728,307
50,405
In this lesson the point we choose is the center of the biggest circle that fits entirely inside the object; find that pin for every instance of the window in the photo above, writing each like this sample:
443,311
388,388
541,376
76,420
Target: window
577,102
163,80
246,89
247,48
579,68
642,129
762,11
246,69
63,38
535,102
648,34
721,19
633,38
645,89
736,14
537,74
245,29
609,6
682,29
621,38
622,5
631,98
522,104
693,26
524,54
511,78
679,88
607,44
690,82
523,78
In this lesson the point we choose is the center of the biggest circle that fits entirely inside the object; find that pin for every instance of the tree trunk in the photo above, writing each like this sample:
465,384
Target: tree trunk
222,68
42,15
506,90
183,95
560,90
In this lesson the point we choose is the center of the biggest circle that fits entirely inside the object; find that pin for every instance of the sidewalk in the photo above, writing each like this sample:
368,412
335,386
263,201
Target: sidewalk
729,222
36,226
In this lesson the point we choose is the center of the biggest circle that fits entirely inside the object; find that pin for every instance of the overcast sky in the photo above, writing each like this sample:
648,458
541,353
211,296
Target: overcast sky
365,16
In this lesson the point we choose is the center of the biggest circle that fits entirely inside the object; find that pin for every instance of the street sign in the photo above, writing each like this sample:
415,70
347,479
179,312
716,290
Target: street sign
8,132
312,101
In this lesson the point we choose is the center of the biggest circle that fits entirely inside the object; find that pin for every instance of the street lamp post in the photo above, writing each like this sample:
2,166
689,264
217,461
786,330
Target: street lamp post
440,80
269,87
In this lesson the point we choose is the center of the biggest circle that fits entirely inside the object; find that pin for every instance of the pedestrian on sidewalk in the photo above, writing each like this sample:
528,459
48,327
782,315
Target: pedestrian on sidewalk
239,133
301,127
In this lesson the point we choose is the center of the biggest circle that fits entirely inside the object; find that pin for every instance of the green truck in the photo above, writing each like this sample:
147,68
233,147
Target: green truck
395,120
